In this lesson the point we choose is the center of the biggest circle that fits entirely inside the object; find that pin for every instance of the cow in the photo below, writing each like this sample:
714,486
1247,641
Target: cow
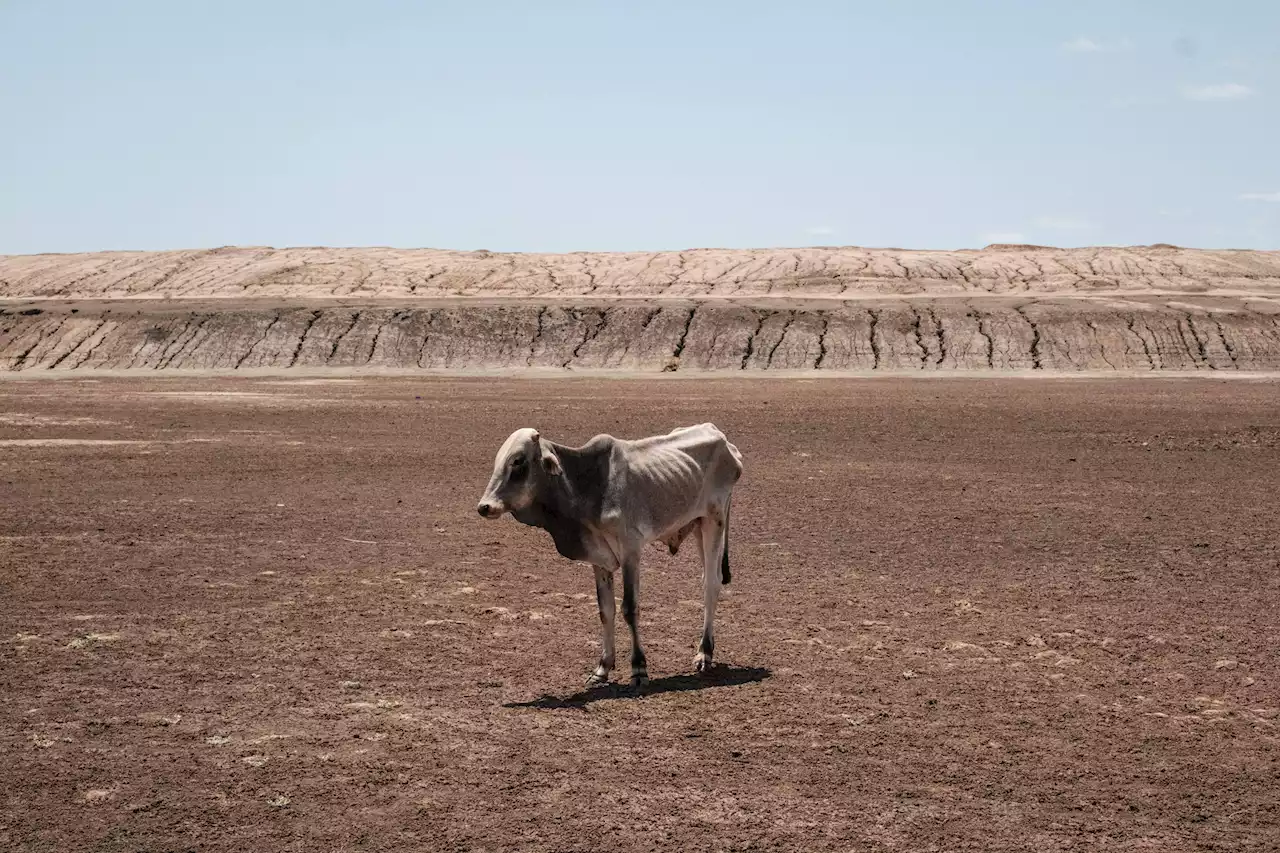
605,501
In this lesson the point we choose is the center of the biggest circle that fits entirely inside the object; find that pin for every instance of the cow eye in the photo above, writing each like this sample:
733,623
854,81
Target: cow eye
517,463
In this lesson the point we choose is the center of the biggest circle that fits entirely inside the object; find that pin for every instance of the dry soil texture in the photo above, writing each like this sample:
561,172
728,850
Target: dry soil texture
1004,308
263,615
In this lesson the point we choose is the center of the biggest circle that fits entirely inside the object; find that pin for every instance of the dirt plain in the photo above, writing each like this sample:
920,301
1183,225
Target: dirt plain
257,614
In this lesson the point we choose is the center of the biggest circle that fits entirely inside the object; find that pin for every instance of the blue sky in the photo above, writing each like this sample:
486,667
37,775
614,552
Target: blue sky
562,126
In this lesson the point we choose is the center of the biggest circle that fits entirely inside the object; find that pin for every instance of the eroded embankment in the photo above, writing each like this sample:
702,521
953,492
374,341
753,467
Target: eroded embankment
1061,335
846,309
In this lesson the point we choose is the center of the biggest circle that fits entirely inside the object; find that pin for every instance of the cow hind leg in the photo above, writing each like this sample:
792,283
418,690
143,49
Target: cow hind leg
713,542
631,612
605,602
725,575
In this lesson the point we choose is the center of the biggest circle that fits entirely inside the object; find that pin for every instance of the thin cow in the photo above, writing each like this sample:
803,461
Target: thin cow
604,502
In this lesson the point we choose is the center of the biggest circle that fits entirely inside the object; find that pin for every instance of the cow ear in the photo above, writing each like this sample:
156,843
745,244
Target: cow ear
550,461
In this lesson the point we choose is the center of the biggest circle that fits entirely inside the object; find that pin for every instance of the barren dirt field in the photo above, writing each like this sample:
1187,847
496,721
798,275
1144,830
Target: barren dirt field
252,614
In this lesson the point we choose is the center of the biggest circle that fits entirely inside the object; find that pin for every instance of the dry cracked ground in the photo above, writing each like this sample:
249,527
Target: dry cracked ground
261,614
1003,308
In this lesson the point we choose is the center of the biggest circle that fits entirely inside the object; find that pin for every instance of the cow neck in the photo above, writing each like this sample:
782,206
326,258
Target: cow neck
566,501
576,492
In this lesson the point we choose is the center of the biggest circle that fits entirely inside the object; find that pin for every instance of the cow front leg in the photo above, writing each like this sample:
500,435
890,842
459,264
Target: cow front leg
631,612
712,533
605,601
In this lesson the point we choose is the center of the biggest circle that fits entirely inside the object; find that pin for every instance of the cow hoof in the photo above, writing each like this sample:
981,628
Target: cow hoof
702,663
639,681
596,679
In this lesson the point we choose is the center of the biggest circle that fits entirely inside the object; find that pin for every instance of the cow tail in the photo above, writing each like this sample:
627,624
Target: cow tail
725,574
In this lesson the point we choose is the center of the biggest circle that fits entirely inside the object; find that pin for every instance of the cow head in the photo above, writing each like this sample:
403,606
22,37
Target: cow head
521,465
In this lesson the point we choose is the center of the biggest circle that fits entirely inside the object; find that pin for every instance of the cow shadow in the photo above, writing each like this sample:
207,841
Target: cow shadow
721,675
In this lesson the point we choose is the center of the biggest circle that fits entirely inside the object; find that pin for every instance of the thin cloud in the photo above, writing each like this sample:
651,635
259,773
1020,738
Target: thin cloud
1260,197
1217,92
1088,45
1083,45
821,230
1063,223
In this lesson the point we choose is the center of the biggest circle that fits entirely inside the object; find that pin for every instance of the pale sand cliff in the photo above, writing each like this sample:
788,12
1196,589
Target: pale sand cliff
1002,308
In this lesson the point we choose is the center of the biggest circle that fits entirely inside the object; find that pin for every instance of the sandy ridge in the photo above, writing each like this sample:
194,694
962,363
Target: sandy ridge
838,310
247,272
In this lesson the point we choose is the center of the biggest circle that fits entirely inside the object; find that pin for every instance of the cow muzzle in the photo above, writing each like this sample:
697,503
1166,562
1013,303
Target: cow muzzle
489,509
